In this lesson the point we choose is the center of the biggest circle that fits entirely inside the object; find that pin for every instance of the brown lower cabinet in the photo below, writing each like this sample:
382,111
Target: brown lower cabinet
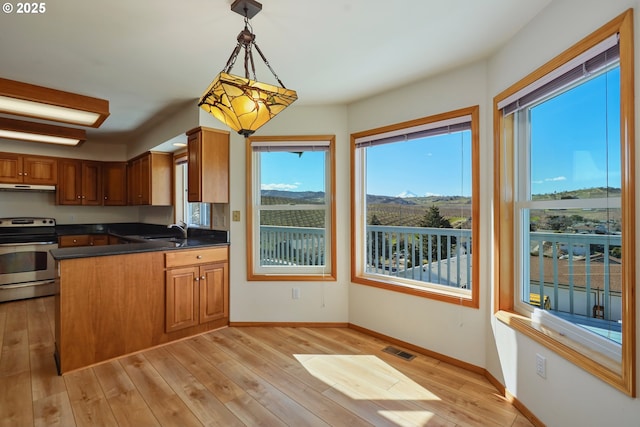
110,306
197,288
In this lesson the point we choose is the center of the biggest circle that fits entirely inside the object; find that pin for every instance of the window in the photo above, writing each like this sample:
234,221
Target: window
194,214
414,206
565,204
290,208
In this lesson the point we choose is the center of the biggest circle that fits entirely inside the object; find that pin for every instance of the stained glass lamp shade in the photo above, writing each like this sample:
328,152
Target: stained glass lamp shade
243,104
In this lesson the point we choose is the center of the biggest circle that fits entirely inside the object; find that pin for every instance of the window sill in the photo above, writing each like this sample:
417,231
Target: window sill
591,361
452,297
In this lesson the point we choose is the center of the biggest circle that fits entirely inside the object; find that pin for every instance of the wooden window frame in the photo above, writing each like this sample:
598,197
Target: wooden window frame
424,291
505,280
328,275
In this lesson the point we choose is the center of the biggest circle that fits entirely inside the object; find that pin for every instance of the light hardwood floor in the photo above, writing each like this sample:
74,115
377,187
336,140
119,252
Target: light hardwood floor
250,376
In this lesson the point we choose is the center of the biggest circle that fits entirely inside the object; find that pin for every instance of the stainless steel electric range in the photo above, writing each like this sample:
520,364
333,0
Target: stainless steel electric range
27,268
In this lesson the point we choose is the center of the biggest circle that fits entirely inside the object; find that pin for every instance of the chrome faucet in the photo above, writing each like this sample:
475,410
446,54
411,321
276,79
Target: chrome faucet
182,226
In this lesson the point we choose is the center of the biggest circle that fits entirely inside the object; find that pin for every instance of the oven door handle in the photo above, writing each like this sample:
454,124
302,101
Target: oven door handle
29,243
25,285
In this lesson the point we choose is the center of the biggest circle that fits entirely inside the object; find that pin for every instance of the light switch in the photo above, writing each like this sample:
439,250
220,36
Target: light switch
235,215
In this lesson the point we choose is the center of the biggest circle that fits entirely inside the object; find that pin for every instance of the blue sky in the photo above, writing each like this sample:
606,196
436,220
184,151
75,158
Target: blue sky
439,165
572,153
290,172
568,153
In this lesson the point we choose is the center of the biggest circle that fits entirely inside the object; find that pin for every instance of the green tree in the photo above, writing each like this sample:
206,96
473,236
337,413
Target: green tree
433,219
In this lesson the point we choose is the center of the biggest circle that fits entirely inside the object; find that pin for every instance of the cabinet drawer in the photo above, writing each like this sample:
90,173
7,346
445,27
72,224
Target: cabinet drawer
194,256
73,240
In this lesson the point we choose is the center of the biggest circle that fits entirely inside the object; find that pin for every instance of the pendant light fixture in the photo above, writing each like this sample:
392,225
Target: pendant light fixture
243,103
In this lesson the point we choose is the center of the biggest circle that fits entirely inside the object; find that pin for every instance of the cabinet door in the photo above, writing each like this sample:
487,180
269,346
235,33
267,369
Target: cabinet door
144,180
208,165
214,291
182,298
114,180
40,170
91,183
194,168
69,191
10,168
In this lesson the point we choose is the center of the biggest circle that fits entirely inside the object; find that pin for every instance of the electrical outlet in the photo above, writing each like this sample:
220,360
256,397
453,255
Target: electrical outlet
541,366
235,215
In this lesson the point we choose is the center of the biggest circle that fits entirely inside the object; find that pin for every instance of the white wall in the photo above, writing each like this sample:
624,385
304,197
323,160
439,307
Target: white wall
271,301
450,329
568,396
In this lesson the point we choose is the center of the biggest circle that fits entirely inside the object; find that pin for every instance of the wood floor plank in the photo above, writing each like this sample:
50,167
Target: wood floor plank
14,358
15,397
88,402
311,399
243,406
285,408
260,342
53,410
165,404
207,374
128,407
3,322
204,405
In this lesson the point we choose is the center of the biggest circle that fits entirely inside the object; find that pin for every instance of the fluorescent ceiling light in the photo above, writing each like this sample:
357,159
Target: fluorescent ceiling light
40,132
29,100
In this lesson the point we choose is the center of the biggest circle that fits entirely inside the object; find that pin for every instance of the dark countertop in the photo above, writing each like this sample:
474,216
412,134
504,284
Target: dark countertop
141,238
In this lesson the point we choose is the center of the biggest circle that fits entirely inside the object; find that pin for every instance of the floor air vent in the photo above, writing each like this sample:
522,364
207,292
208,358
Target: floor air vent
399,353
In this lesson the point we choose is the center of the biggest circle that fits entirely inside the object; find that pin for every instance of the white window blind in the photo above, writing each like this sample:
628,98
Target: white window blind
442,127
591,61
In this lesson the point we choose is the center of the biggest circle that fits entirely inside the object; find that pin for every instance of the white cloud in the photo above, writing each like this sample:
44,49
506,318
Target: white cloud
429,194
557,178
283,187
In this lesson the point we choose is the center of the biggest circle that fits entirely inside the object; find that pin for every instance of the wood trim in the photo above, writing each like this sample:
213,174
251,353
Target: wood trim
426,292
442,357
624,381
459,363
290,324
42,129
330,276
45,95
512,399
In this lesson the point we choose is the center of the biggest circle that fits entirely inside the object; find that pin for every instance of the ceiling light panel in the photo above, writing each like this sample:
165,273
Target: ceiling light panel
39,102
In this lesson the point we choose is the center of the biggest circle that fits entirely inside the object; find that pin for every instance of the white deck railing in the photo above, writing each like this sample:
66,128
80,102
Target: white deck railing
576,269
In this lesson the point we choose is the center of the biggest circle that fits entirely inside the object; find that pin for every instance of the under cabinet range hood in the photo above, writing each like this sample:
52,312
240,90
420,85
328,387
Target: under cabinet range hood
27,187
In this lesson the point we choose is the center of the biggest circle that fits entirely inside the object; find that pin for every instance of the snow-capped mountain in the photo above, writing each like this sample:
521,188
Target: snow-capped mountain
406,194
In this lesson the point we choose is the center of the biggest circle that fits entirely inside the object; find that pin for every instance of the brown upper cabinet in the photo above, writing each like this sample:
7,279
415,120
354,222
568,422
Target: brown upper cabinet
149,179
28,169
114,180
208,165
79,182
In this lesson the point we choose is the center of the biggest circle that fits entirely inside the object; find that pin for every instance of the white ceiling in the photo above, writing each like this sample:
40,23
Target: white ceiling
149,58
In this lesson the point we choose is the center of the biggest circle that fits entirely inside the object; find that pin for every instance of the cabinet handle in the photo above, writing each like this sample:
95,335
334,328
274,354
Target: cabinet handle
78,196
197,279
75,241
199,256
24,173
202,277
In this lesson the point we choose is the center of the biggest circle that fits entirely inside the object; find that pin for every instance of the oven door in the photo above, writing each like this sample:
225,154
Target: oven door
23,263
